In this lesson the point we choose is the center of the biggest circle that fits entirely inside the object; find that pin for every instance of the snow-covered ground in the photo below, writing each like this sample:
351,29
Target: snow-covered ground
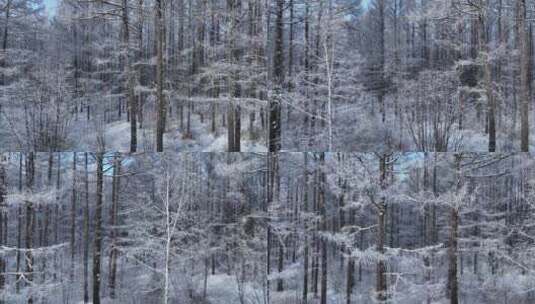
117,138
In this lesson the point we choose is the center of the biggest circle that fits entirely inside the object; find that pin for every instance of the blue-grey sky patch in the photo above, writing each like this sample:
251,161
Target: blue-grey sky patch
51,6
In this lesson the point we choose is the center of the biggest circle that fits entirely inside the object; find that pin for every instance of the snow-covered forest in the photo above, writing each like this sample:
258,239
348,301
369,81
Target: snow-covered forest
267,75
267,228
267,151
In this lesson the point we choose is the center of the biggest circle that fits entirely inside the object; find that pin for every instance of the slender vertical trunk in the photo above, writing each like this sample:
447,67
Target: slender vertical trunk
3,59
129,76
162,105
86,230
269,198
278,75
234,110
319,31
73,215
19,228
268,262
484,49
305,209
500,37
315,242
6,28
453,288
273,195
57,215
350,279
139,102
213,43
30,223
524,75
113,224
381,210
428,227
381,63
323,211
3,223
280,281
291,34
168,236
453,284
306,74
97,249
205,281
29,245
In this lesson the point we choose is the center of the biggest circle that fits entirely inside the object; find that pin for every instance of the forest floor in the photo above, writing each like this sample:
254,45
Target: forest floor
117,138
355,131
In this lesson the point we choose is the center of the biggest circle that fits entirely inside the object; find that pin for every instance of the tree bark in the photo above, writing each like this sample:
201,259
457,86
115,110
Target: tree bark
305,222
3,60
86,231
487,70
73,215
381,287
113,224
278,74
350,279
19,229
3,223
97,249
129,85
234,109
323,211
453,284
381,63
524,76
280,281
30,223
162,105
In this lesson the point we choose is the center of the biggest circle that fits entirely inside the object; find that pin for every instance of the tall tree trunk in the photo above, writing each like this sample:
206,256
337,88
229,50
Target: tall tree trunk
275,143
97,249
291,43
524,75
19,229
381,211
323,211
306,120
6,29
269,199
381,60
280,281
315,242
268,262
234,109
484,50
453,284
162,105
86,230
129,76
3,223
30,223
350,279
57,215
3,60
140,21
305,222
73,215
113,224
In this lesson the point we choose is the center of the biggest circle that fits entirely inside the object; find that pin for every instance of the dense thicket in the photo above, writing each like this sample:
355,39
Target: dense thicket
267,228
268,75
